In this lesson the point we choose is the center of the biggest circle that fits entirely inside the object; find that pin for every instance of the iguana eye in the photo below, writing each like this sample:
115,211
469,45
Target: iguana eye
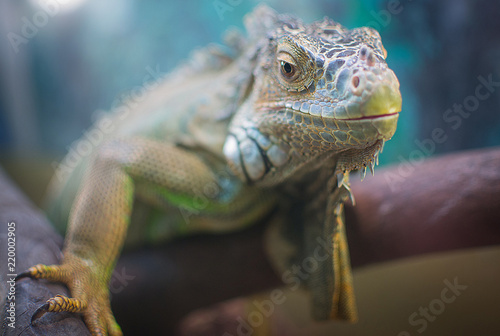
288,70
293,68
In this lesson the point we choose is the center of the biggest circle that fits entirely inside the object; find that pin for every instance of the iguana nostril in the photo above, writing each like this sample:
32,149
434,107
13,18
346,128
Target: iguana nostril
358,83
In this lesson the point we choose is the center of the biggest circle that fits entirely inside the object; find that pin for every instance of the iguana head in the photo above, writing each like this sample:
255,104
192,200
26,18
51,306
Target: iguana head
319,91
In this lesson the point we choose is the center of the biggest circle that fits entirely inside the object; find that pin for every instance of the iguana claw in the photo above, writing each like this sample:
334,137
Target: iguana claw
39,312
94,308
25,274
29,273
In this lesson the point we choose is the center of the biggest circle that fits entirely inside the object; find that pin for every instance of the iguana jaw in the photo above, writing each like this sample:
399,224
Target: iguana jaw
337,133
284,139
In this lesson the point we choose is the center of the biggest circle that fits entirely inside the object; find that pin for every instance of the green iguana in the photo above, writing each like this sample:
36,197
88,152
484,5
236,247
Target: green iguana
271,122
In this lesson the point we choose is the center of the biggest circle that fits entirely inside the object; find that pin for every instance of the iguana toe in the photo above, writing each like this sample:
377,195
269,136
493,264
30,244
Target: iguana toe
40,271
60,303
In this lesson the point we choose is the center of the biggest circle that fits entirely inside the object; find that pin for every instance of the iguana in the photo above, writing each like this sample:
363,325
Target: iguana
271,122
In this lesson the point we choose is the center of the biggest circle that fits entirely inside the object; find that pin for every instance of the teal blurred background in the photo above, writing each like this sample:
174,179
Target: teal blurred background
64,62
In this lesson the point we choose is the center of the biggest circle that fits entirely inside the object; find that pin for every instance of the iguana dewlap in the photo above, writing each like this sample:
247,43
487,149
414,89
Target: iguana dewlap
271,122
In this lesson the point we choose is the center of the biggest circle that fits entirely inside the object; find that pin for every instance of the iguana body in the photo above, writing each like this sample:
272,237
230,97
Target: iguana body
275,122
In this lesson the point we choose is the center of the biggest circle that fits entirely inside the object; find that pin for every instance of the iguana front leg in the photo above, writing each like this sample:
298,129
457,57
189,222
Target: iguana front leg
159,173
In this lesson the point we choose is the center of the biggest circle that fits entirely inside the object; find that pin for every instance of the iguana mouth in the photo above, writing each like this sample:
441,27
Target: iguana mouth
281,106
375,116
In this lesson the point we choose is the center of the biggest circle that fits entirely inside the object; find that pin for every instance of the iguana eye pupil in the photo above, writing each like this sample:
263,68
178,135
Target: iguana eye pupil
287,69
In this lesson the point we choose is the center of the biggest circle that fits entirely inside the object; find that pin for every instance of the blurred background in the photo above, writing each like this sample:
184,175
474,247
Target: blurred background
62,63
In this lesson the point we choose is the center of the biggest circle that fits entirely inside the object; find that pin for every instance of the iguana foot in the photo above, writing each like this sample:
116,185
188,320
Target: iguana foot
90,296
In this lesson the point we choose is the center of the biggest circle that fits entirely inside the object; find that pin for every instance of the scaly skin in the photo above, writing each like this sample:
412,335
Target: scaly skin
277,122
